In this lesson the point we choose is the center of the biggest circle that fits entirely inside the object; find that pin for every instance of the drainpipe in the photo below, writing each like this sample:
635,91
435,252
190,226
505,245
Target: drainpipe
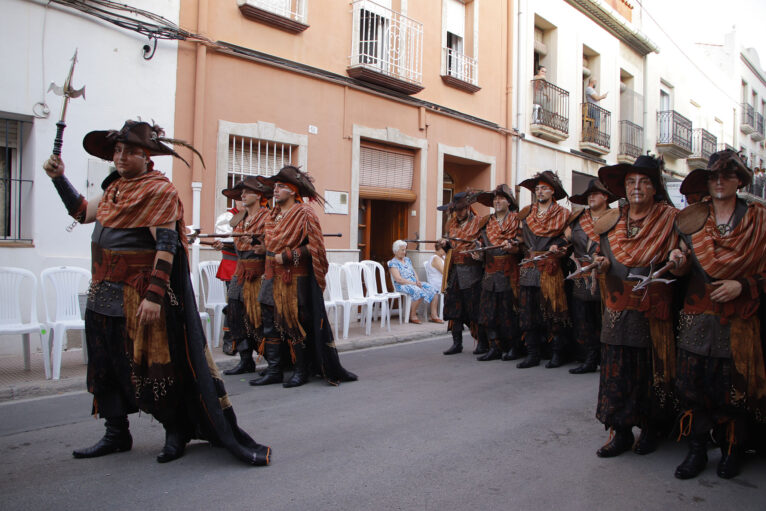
646,100
198,136
518,124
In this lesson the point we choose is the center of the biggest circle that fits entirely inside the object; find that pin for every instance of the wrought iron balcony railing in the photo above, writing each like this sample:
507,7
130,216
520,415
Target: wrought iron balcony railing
747,121
631,139
550,106
386,47
461,67
675,133
703,144
596,125
758,134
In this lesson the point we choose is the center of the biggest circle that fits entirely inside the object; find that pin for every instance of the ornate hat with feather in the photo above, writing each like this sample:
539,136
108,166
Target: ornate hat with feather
292,175
548,177
487,198
138,133
251,183
594,186
722,161
460,200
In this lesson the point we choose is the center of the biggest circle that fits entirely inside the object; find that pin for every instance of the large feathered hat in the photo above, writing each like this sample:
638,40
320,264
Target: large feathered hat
487,198
613,176
548,177
251,183
292,175
594,186
722,161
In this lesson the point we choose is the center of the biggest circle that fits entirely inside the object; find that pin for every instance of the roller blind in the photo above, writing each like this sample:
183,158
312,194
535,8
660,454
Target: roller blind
385,169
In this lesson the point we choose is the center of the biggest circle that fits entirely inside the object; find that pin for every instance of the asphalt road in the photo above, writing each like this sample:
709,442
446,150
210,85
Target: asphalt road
418,431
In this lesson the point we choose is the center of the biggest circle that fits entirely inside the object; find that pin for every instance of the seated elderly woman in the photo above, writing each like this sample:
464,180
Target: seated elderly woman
406,281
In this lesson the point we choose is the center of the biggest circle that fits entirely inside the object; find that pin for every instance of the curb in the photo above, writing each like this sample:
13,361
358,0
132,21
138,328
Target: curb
52,388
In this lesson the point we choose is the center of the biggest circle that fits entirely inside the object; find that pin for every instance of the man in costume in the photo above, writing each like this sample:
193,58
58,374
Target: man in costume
463,273
542,303
721,378
500,285
586,297
227,265
638,350
146,346
244,310
292,306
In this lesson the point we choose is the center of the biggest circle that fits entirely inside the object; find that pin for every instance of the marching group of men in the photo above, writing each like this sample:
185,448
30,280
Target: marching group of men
689,349
666,301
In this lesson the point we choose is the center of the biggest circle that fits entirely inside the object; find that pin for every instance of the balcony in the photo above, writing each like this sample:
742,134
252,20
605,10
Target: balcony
631,142
747,122
386,48
461,71
596,129
288,15
550,111
703,145
675,134
758,134
724,147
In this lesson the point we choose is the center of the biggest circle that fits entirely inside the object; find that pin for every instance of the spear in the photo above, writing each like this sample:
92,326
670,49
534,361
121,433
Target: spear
68,92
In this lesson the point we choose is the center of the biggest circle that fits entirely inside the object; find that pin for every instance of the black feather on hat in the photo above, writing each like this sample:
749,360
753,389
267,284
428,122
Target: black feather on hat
138,133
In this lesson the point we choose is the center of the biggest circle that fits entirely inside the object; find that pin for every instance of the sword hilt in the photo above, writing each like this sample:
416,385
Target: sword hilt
58,142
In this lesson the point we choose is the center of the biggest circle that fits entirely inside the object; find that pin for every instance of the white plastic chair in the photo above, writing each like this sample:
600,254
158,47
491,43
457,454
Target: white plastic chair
371,292
374,274
214,293
331,304
426,264
354,274
11,317
335,289
66,282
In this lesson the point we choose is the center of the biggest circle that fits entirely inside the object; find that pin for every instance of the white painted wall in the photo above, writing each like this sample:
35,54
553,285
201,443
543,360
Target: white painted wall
37,44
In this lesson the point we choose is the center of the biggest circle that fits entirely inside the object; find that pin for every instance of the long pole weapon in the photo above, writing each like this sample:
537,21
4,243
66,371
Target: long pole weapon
68,92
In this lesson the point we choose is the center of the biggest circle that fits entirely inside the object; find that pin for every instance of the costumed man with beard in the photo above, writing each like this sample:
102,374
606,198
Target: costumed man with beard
227,265
146,347
462,292
292,307
638,349
498,310
721,378
244,311
586,297
543,313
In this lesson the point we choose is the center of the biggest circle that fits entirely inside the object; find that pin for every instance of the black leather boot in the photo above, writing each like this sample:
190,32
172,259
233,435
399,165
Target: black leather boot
557,359
116,439
246,364
272,353
647,441
457,339
494,353
591,362
175,443
731,451
695,460
300,374
621,442
482,346
516,351
532,340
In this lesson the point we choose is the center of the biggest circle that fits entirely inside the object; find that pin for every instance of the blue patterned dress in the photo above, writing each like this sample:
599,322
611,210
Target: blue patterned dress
407,271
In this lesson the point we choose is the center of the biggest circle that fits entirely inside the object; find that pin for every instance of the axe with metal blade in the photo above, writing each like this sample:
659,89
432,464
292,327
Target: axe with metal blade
580,268
68,92
543,256
654,276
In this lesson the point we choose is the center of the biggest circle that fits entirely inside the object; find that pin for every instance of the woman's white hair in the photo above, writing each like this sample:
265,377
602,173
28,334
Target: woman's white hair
398,244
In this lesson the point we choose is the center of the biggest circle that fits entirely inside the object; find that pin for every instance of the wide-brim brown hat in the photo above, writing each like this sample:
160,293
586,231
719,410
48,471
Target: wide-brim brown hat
142,134
613,176
488,198
460,200
722,161
292,175
548,177
594,186
250,183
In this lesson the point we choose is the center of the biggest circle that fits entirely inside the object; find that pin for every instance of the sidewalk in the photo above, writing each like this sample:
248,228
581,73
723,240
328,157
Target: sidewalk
16,383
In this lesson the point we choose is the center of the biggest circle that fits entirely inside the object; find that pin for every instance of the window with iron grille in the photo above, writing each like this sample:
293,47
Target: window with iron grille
255,157
14,189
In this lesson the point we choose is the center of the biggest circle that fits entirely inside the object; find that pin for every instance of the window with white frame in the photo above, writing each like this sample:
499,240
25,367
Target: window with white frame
459,55
14,189
255,157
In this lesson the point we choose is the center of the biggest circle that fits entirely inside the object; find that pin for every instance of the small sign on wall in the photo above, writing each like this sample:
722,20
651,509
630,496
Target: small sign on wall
335,203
